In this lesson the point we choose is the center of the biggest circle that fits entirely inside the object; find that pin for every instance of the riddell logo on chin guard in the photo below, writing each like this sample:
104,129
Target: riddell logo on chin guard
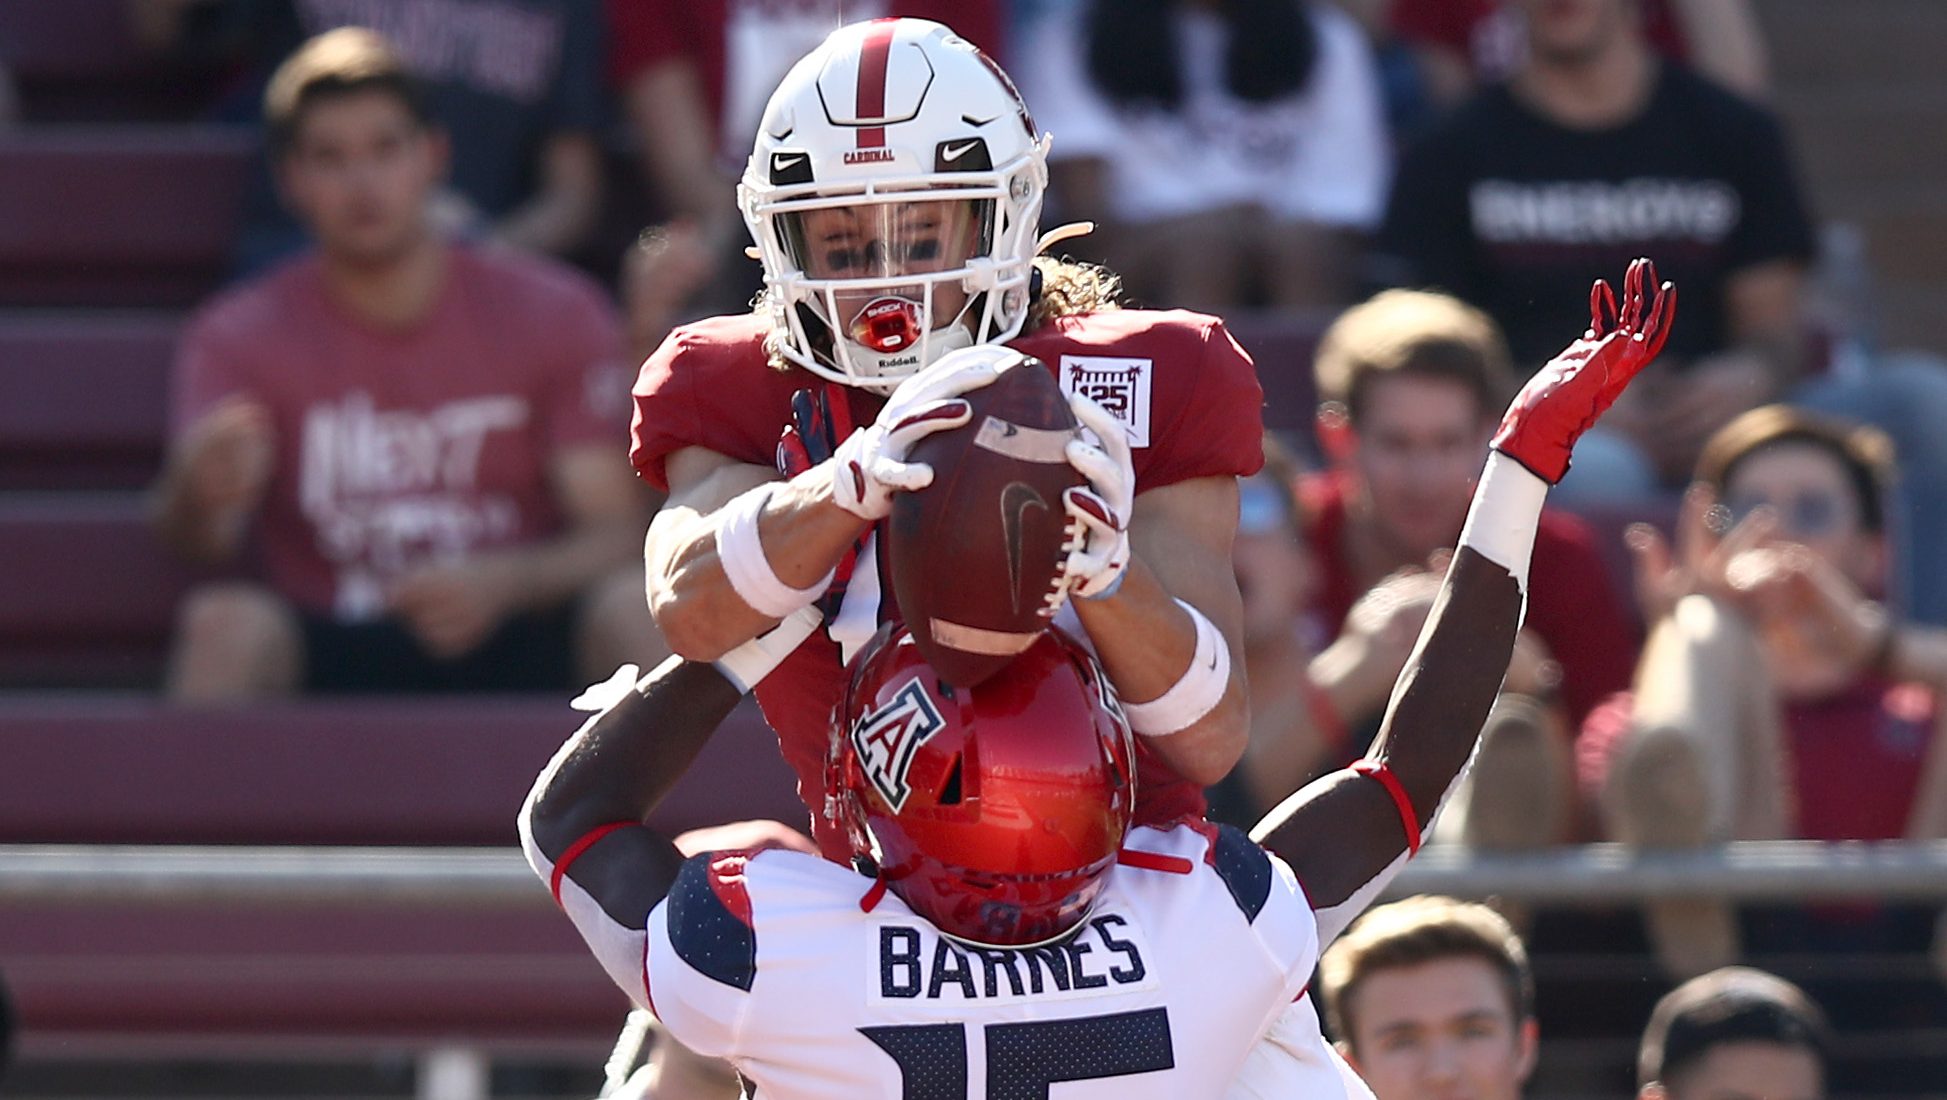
868,156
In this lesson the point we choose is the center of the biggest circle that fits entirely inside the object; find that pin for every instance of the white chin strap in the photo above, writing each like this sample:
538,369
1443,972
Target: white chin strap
885,370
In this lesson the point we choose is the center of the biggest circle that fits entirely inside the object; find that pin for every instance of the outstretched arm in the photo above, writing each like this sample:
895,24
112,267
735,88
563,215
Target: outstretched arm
1347,833
582,824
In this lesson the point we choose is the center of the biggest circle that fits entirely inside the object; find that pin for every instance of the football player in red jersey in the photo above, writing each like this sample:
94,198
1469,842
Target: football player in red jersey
894,195
1009,894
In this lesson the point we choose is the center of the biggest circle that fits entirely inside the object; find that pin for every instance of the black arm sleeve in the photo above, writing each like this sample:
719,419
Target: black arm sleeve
617,768
1342,835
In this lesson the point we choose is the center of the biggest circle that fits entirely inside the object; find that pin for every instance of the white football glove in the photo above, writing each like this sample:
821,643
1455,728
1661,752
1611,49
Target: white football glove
871,464
1098,513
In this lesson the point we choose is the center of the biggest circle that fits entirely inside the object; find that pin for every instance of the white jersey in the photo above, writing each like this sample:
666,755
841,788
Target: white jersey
1197,949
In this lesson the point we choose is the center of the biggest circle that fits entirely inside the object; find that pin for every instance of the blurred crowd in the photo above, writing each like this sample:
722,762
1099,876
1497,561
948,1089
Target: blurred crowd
1733,622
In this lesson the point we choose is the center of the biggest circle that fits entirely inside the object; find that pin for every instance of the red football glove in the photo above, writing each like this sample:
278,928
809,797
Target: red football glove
1566,397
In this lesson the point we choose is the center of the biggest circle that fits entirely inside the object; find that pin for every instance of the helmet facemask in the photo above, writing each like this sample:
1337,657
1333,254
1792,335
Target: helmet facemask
868,283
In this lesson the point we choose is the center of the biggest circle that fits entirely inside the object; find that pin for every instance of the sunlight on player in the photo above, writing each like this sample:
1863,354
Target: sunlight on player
1004,926
893,195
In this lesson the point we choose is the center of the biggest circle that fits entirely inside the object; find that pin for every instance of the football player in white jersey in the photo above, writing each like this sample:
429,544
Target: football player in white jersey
1004,932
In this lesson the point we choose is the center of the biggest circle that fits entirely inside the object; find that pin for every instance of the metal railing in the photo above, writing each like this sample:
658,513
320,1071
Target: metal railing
1596,874
1601,874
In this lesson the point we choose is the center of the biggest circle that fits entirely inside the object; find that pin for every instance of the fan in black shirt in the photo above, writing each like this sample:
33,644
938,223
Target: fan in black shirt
1596,151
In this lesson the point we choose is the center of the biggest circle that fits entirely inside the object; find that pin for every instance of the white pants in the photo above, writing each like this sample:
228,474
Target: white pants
1293,1062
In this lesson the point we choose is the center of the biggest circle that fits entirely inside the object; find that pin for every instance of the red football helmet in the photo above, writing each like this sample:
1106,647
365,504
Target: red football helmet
995,811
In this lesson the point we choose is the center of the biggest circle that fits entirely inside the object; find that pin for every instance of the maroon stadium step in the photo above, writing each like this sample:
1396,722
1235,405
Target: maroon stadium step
83,398
118,216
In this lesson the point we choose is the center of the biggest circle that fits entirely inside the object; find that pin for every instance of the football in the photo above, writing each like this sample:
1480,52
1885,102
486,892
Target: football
976,557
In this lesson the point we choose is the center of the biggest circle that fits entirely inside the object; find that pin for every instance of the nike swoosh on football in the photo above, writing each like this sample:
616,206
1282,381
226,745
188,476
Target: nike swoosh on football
1016,499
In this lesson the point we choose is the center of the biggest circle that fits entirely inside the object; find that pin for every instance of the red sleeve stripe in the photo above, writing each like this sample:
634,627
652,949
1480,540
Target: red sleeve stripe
575,850
1153,861
729,884
1408,820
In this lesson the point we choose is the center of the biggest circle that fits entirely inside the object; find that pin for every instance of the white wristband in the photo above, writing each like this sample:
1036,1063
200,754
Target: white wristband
1195,694
741,553
746,664
1506,510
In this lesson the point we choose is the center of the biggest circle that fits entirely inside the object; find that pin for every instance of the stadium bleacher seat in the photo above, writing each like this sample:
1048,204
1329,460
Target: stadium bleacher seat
87,595
118,216
77,60
83,398
268,977
100,769
175,980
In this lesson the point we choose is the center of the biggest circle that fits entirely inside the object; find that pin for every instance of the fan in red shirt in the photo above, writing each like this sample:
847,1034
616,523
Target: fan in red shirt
1410,381
1777,695
894,196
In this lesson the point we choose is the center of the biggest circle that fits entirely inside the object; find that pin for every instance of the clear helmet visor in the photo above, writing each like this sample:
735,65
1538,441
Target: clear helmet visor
885,273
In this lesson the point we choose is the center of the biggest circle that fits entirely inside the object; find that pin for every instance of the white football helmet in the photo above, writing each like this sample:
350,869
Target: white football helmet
895,196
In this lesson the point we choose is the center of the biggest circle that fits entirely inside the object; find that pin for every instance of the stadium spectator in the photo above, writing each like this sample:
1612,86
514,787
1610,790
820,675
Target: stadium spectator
1464,44
425,439
515,83
1778,695
1294,735
1595,149
1902,392
694,77
1409,384
1431,997
661,274
1731,1033
1249,135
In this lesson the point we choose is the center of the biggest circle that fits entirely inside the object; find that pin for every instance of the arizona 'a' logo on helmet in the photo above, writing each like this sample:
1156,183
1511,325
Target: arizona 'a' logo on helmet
887,739
992,811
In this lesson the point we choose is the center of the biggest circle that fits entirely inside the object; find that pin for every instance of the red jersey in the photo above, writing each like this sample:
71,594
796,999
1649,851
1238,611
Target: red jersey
401,448
1572,604
1185,391
1855,759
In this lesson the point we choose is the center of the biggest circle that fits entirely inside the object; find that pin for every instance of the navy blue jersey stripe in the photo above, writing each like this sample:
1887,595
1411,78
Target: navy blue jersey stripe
1245,869
717,942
